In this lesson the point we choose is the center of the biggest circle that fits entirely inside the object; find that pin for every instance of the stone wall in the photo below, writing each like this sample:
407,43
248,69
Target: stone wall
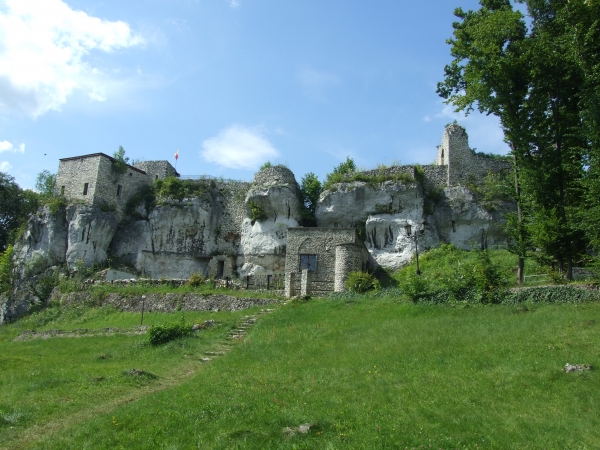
321,242
72,175
463,164
115,189
348,258
275,175
157,169
102,181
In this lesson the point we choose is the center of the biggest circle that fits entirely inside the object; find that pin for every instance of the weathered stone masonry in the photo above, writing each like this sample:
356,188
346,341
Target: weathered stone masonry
93,180
336,252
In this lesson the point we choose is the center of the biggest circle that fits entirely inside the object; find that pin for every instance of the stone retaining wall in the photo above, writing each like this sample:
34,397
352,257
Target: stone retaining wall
165,302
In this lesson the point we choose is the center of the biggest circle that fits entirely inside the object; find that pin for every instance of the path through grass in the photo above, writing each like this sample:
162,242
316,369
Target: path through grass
370,374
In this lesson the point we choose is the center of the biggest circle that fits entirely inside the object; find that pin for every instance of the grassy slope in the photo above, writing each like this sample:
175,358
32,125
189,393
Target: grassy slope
45,383
368,374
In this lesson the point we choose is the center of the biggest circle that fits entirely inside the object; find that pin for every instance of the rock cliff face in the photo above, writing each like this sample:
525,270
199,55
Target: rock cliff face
382,212
178,238
263,242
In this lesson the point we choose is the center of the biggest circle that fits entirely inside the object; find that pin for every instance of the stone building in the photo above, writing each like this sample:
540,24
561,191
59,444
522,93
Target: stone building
318,260
95,179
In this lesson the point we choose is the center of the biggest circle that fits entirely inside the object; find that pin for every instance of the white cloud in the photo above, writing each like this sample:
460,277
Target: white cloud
6,146
43,45
5,166
234,4
238,147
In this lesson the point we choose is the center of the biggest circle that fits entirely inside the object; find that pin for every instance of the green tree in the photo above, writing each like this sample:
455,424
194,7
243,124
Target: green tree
121,161
45,184
339,173
11,208
310,191
558,144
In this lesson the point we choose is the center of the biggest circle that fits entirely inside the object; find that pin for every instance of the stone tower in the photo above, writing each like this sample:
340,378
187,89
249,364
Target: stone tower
455,154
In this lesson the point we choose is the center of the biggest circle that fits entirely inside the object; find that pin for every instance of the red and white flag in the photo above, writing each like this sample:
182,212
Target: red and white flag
176,154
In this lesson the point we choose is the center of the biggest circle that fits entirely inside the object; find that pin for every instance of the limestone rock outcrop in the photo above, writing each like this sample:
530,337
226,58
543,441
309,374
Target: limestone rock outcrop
44,240
263,241
177,239
90,233
382,212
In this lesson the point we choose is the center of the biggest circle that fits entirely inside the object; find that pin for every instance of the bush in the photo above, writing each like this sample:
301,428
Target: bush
361,282
56,204
6,269
551,294
170,187
161,334
256,212
196,279
146,194
108,207
454,275
415,288
419,174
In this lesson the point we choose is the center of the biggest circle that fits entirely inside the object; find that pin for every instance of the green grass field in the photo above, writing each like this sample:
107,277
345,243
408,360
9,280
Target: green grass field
365,373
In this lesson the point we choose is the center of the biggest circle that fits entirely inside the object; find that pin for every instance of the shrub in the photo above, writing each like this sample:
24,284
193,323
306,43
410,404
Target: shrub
551,294
361,282
108,207
266,165
6,269
256,212
145,193
121,162
170,187
419,174
161,334
415,288
56,204
196,279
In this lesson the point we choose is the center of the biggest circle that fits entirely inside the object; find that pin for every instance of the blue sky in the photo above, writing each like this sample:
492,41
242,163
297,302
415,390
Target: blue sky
230,83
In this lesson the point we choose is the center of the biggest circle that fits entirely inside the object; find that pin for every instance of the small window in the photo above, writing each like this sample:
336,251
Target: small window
130,174
119,189
85,188
308,262
62,190
156,177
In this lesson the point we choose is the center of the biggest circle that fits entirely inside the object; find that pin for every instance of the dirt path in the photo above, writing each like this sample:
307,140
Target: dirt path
184,372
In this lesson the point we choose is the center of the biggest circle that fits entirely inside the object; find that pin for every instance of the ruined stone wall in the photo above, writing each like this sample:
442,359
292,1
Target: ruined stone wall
72,175
391,171
157,169
234,212
275,176
463,164
107,190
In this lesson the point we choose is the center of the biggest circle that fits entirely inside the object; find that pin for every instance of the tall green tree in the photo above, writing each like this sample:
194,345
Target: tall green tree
491,71
558,142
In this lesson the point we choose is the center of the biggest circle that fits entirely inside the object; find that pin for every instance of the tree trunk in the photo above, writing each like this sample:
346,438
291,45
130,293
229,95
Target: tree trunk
521,266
